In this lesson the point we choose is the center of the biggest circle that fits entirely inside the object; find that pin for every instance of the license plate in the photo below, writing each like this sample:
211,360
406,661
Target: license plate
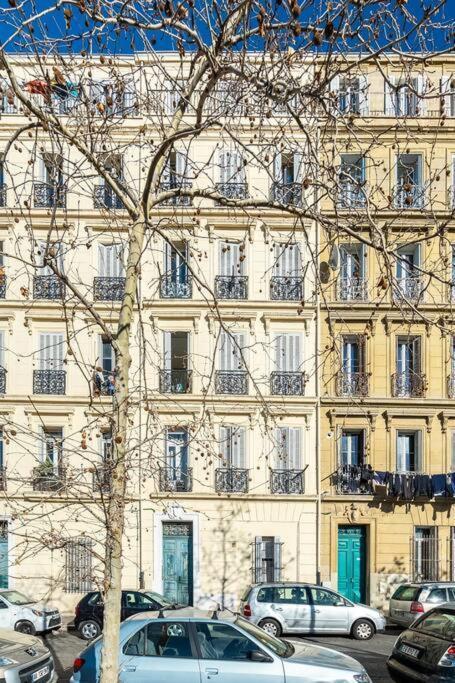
38,675
407,650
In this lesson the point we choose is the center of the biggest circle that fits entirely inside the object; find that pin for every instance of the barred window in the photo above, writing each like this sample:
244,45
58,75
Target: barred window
266,559
78,565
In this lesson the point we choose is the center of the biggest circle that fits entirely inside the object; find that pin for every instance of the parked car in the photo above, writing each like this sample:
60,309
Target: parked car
192,645
89,610
304,608
21,613
425,652
24,658
411,600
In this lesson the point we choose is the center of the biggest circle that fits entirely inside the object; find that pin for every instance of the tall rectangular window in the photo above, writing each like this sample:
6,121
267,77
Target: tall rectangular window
78,565
425,554
110,262
352,447
267,559
409,451
289,448
232,446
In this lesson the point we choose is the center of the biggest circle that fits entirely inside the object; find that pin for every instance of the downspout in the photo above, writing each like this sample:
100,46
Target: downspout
318,402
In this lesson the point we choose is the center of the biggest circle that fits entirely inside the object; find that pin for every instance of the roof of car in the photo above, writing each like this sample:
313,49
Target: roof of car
421,584
285,584
185,613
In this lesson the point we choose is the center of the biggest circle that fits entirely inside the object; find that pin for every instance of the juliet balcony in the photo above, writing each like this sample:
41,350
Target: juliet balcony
49,382
48,287
408,289
409,384
101,481
352,384
287,193
352,289
176,479
231,287
48,196
287,482
108,288
105,198
286,288
287,383
47,477
231,382
408,196
231,480
177,199
233,190
175,381
174,288
353,479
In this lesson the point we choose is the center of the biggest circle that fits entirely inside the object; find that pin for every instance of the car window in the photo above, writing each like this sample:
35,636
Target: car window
139,600
451,594
95,599
17,598
320,596
221,641
3,605
291,595
246,595
437,623
281,648
437,595
160,639
406,593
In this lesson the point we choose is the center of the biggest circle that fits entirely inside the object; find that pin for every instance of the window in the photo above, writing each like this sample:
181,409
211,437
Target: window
78,565
232,446
51,352
175,376
352,180
291,595
288,352
289,448
321,597
352,447
352,354
110,260
176,282
437,595
177,456
409,174
139,601
266,559
351,94
231,167
232,258
160,639
448,92
425,554
287,260
232,348
288,176
51,447
409,456
438,623
406,593
223,642
352,282
403,96
453,264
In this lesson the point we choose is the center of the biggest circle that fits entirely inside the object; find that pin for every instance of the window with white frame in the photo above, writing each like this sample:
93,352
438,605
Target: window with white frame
79,565
233,446
110,261
448,94
409,451
51,448
425,554
352,176
404,95
267,559
232,177
288,448
351,94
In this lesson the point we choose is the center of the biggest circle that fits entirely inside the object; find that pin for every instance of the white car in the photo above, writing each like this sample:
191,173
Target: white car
23,614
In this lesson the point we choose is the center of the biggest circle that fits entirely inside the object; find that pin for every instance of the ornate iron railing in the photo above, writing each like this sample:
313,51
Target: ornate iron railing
287,383
352,289
2,284
104,383
105,198
231,480
48,196
287,481
451,385
3,479
353,479
287,193
48,287
176,479
177,200
49,382
175,381
351,197
286,288
2,194
409,196
408,289
108,288
352,383
231,286
233,190
48,478
2,381
409,384
101,478
172,289
231,382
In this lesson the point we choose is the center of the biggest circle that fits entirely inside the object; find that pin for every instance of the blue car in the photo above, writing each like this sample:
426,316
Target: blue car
193,646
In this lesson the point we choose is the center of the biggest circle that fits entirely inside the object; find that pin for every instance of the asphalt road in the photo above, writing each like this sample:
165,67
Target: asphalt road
373,653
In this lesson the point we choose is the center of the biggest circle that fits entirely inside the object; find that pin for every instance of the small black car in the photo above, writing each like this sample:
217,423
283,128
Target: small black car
90,610
425,652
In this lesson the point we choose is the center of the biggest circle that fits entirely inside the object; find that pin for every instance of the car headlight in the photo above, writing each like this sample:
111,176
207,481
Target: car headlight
37,613
362,678
4,661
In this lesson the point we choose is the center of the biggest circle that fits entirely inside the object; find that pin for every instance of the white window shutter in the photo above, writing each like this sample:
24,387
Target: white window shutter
447,92
230,263
334,89
298,167
421,102
45,351
225,352
452,465
167,340
363,95
277,558
102,260
2,349
225,439
181,165
237,348
42,170
238,447
280,352
294,448
389,96
257,560
291,358
277,168
223,160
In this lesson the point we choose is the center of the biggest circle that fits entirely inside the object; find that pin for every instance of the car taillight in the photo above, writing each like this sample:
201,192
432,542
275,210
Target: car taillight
247,611
448,658
416,608
78,664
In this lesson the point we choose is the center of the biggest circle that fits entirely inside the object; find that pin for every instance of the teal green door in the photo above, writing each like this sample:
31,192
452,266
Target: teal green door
178,562
352,562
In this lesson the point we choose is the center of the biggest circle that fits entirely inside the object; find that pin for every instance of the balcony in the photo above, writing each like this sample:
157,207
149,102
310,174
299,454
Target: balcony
353,479
231,287
48,287
287,481
283,288
170,288
2,283
105,198
47,477
175,479
352,384
408,289
287,193
351,197
409,196
2,194
231,480
104,383
177,200
287,383
233,190
409,384
2,478
451,385
231,382
352,289
101,481
46,196
49,382
175,381
2,381
108,288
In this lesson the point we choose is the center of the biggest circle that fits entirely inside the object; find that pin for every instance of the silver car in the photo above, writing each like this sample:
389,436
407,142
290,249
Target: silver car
24,658
304,608
411,600
190,645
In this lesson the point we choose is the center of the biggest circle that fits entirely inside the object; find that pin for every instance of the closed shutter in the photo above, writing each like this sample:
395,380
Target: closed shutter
334,90
43,170
230,357
298,167
421,90
167,350
448,94
110,260
278,168
257,560
223,160
363,95
277,558
288,352
230,263
238,447
416,354
181,166
289,448
390,96
288,261
51,351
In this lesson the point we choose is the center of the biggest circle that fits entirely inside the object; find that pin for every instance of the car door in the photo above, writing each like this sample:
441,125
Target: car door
134,602
226,656
329,612
293,605
6,615
95,608
161,651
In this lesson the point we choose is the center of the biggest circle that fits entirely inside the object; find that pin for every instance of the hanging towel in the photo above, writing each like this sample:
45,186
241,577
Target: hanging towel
440,485
37,87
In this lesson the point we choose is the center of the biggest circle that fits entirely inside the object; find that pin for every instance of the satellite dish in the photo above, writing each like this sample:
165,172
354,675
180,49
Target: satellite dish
334,258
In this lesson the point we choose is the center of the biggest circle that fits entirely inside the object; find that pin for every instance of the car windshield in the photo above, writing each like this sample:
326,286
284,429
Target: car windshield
279,647
16,598
157,598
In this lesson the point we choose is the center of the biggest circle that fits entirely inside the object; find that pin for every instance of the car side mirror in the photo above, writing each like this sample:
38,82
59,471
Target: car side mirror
259,656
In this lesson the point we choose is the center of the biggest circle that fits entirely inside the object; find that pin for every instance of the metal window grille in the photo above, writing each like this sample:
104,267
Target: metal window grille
78,565
267,559
425,562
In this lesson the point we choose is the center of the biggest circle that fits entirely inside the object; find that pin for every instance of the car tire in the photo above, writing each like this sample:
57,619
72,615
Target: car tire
272,627
363,629
25,627
90,629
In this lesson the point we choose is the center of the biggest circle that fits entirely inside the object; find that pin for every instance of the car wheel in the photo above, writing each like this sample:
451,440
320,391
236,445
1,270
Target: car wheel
362,629
25,627
272,627
89,629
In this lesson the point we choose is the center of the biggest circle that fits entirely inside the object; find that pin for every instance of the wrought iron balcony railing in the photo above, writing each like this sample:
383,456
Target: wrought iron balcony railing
287,193
48,287
47,196
352,383
101,478
408,289
49,382
351,197
231,480
286,288
3,479
231,382
170,288
409,384
2,283
231,286
233,190
2,381
352,289
105,198
176,479
451,385
108,288
287,481
287,383
177,200
2,194
48,478
175,381
409,196
104,383
353,479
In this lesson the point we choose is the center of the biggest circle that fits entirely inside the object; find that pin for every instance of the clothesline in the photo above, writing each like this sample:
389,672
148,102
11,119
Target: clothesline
400,485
